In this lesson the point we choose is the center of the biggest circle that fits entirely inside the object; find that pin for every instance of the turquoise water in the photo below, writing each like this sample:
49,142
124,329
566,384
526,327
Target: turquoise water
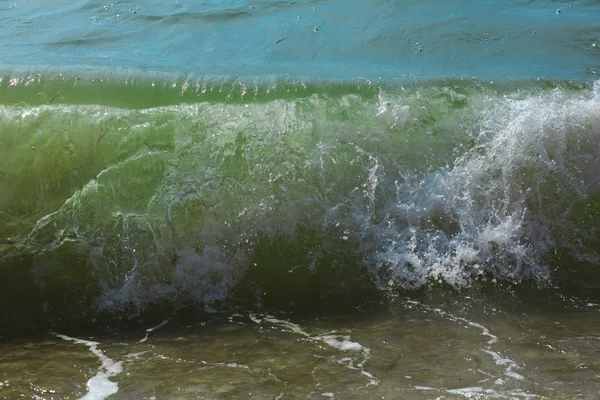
323,176
332,40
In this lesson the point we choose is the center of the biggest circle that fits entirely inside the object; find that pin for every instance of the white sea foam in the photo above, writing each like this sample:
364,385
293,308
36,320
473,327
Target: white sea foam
478,392
344,344
339,342
232,365
495,208
509,365
254,318
163,323
99,386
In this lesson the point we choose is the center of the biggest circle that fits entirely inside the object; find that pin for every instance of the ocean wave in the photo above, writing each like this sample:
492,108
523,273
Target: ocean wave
232,192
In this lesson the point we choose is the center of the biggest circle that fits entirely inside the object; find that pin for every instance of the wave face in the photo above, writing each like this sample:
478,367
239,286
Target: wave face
123,195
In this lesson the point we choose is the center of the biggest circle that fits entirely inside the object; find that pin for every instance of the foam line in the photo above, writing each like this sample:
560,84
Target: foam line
339,342
166,321
99,386
499,360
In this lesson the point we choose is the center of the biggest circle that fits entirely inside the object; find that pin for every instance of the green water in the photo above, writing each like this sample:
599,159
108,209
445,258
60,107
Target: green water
289,193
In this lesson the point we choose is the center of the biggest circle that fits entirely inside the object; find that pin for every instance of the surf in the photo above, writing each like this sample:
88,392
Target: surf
295,189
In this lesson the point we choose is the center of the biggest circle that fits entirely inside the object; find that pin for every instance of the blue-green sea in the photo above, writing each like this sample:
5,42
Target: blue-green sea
300,199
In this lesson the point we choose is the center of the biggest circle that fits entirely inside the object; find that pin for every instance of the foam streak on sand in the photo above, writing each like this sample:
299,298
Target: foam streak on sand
500,360
166,321
99,386
339,342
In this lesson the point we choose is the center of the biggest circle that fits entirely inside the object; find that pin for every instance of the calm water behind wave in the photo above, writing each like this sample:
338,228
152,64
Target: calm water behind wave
332,39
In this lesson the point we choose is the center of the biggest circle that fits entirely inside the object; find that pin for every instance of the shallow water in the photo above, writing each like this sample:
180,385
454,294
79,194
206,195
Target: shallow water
412,348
